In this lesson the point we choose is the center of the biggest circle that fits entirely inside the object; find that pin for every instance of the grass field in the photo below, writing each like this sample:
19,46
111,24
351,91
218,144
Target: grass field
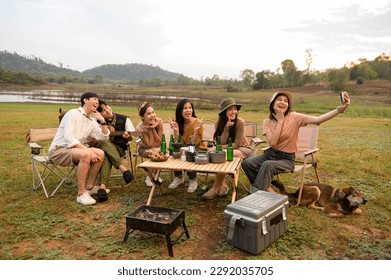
354,151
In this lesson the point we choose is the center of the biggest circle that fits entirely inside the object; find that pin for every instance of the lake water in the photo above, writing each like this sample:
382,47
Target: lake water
64,97
39,96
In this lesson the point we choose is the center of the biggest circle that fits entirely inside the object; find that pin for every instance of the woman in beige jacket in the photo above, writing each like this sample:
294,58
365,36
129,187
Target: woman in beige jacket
229,125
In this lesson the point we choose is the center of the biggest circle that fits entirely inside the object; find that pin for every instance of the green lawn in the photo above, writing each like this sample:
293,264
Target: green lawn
354,151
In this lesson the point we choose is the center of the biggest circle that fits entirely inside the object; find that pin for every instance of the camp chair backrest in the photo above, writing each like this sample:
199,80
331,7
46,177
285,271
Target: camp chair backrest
40,134
307,140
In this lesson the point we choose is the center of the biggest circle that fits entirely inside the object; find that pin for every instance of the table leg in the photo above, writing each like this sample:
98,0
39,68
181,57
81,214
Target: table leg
149,201
235,187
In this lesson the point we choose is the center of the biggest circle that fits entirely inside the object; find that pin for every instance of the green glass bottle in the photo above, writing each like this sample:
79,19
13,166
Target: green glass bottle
171,145
218,144
179,139
163,145
230,150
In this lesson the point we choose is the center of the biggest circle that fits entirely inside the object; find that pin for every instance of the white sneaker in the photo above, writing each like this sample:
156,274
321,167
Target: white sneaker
192,186
148,181
85,199
95,189
177,182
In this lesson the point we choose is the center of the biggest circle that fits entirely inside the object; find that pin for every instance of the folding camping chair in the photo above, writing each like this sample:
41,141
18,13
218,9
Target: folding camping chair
251,130
42,167
305,155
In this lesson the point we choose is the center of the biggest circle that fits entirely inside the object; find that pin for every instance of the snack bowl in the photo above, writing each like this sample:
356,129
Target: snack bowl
217,157
201,158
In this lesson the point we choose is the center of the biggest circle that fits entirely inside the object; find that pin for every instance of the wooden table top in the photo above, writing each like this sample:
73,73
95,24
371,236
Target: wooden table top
228,167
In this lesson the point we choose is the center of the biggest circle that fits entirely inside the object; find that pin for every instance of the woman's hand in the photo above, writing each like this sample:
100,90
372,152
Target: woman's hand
199,124
278,114
344,105
230,123
174,125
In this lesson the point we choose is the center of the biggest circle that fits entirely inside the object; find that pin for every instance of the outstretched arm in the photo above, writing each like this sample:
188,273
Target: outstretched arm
329,115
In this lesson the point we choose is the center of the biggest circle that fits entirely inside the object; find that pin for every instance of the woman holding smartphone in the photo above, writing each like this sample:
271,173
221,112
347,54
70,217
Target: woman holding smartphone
281,129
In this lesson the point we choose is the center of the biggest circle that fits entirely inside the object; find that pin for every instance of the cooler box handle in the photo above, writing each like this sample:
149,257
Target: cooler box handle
264,226
231,227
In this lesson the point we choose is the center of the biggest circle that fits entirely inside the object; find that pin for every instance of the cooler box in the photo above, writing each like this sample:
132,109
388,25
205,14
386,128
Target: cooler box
256,221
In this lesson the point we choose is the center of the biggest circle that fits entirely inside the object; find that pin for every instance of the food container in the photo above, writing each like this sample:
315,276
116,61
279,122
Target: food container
192,148
176,155
177,146
190,156
217,157
201,158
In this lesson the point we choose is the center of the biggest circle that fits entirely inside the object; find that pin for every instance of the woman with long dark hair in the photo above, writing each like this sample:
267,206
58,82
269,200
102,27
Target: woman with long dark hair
229,125
191,130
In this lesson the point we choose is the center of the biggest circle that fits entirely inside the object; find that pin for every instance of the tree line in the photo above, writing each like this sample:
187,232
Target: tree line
287,75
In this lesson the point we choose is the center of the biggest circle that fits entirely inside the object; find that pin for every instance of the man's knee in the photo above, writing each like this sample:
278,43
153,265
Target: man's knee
245,164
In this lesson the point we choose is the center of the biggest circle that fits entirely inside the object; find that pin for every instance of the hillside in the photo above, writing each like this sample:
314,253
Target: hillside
130,72
32,65
36,67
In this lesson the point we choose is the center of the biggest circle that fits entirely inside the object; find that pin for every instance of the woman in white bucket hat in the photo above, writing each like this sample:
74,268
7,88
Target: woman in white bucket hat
281,129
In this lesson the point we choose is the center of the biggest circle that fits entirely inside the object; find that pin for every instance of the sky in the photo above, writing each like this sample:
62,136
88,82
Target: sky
197,38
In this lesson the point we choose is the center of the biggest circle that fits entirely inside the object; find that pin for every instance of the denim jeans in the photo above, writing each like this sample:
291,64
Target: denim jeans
261,169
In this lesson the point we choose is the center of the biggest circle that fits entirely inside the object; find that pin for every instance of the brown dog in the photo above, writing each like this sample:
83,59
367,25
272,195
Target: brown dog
62,113
336,202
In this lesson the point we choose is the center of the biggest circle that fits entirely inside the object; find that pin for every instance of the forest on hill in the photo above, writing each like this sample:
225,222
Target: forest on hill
37,68
17,69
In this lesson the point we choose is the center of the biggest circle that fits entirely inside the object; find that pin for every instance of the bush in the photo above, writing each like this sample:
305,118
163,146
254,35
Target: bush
360,81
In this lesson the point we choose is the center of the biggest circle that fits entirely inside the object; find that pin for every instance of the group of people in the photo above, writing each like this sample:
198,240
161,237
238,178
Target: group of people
94,119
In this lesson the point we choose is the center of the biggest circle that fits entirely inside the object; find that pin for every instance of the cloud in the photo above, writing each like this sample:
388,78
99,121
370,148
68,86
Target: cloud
352,29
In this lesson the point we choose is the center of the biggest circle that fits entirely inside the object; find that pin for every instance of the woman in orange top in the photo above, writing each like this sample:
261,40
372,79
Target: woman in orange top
282,130
191,130
151,129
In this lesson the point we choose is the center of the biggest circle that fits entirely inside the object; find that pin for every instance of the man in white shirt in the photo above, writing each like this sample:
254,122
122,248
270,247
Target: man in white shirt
67,147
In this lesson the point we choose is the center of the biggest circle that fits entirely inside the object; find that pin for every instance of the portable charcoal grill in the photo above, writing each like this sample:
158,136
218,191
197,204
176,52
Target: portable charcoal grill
156,220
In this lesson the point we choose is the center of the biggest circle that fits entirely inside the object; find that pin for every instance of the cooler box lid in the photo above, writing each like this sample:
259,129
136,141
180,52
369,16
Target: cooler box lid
258,204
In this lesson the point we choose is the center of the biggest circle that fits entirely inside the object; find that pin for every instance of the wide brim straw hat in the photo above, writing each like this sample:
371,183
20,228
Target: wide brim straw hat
287,94
226,103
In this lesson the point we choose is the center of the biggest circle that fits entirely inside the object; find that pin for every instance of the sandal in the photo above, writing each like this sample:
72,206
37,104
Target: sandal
223,191
211,194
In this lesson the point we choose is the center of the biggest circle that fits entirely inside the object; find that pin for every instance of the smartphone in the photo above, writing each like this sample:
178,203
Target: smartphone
342,96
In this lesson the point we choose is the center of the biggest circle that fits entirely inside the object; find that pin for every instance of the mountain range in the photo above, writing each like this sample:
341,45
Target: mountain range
36,67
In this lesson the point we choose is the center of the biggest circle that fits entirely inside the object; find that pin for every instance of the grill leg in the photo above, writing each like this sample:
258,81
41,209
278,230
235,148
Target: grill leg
128,231
169,245
185,229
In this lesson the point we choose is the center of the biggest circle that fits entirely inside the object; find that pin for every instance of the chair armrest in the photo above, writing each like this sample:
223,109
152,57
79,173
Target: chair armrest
312,151
34,145
35,148
257,141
